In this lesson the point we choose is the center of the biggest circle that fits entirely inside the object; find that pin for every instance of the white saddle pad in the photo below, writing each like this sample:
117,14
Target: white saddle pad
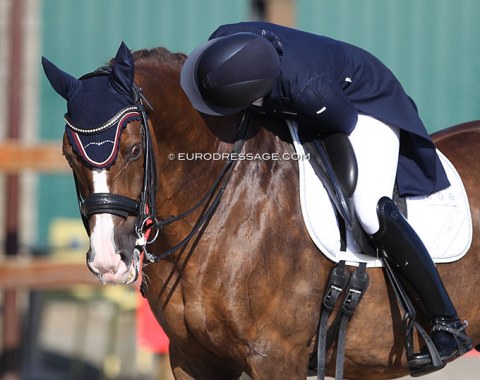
442,220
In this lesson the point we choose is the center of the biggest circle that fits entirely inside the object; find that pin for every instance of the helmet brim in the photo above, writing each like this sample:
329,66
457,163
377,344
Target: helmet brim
188,82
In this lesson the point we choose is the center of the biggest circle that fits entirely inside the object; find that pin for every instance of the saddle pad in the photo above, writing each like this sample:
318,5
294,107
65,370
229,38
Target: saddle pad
442,220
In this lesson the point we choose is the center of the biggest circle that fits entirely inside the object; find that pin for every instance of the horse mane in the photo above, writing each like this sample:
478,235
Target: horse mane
160,55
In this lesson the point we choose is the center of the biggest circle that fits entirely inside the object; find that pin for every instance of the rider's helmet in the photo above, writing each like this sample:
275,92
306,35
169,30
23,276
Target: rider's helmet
227,74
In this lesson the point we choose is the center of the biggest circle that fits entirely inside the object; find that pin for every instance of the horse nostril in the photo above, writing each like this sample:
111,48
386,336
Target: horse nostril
90,256
125,257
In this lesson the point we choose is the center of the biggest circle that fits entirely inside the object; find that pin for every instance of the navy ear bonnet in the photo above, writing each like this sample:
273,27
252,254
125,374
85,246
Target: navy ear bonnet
99,106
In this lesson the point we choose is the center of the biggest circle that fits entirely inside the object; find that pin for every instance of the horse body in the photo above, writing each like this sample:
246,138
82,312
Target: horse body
244,294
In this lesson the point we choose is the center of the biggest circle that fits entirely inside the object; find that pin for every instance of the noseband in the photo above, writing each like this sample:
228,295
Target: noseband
116,204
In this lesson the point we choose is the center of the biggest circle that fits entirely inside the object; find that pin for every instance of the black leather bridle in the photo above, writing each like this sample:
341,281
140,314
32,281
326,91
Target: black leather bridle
120,205
144,207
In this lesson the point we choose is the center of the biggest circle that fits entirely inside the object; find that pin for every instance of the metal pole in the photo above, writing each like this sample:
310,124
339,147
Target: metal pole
10,363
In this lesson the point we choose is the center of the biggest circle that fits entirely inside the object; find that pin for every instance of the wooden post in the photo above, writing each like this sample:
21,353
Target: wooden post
10,361
45,157
43,273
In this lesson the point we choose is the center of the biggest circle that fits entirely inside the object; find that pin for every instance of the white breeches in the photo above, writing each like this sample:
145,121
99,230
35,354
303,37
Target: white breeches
376,146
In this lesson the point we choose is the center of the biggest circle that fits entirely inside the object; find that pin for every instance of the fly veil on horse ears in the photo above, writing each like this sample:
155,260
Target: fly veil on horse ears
99,107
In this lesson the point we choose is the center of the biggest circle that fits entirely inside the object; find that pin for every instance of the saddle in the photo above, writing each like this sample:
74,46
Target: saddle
442,220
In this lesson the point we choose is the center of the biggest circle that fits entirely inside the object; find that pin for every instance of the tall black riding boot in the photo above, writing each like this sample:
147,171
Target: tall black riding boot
411,259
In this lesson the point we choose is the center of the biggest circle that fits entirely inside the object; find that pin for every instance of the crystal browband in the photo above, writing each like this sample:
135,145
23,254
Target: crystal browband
103,127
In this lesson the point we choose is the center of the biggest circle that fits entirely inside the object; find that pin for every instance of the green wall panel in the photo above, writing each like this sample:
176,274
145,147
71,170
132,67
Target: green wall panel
431,45
79,36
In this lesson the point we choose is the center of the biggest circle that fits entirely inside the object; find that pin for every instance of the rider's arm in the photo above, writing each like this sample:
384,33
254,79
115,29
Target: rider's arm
322,99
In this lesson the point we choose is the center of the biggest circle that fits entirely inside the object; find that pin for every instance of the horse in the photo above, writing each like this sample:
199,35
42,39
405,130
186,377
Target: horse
241,291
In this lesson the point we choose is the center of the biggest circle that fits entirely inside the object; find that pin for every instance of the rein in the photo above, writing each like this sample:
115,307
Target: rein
211,199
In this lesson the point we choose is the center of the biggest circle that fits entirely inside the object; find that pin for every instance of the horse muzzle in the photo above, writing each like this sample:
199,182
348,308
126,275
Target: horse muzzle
113,257
114,269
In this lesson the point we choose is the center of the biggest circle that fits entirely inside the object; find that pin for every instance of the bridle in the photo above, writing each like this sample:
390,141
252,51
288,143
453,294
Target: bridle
120,205
144,207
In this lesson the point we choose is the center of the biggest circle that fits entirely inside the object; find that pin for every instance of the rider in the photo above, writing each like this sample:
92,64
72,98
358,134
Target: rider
334,86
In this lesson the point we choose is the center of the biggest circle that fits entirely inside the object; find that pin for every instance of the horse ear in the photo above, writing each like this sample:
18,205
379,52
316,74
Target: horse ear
123,70
64,84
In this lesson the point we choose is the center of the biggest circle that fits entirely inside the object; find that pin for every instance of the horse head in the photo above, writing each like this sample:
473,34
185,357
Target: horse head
111,144
106,144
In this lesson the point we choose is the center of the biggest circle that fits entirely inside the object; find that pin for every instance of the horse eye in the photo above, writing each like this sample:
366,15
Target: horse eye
135,152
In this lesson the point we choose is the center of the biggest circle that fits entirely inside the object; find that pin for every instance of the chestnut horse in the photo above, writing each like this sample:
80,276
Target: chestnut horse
244,294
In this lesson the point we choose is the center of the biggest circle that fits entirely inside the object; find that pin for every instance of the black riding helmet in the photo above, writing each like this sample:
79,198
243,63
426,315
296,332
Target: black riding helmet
227,74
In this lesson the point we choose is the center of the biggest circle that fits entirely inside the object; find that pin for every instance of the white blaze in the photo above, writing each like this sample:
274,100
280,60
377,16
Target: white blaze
101,238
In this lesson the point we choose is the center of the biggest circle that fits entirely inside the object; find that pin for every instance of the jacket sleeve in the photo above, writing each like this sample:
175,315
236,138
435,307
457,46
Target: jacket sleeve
321,98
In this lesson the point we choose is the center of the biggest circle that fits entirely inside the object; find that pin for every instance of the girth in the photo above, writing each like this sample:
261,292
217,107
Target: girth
352,287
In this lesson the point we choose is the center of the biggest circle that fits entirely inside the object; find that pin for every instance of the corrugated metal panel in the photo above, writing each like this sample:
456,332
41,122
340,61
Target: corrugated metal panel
431,45
79,36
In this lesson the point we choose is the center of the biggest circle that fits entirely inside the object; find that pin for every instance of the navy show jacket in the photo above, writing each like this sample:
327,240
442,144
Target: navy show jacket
325,83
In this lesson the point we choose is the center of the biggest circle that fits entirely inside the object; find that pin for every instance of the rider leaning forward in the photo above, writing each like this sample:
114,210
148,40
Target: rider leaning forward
334,86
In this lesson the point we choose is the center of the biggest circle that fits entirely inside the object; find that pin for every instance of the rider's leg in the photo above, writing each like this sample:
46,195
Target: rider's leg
411,259
376,147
